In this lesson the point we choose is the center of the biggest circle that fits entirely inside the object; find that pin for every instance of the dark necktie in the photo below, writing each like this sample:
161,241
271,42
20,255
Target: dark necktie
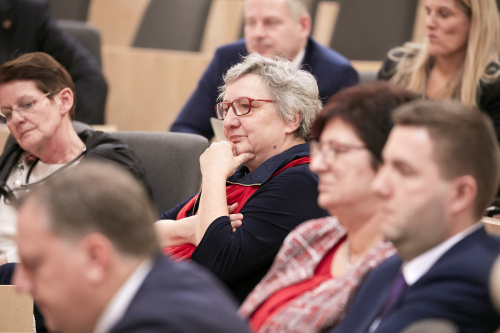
397,288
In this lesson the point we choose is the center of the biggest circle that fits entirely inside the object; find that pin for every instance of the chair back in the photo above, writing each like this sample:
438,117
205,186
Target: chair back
173,25
87,34
171,161
367,29
69,9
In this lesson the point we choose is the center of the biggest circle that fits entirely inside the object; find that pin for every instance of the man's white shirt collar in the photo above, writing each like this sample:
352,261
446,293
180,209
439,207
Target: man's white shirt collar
414,269
120,301
299,58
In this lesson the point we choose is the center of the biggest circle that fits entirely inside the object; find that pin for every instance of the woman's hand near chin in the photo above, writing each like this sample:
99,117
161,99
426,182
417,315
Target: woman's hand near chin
217,163
220,161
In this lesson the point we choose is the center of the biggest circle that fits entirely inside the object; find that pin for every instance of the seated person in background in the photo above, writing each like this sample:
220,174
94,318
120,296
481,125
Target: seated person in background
459,58
37,104
91,260
318,268
261,172
28,27
441,171
272,28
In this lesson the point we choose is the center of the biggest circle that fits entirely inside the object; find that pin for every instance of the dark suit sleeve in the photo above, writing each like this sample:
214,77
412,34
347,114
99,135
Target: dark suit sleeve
346,76
351,77
274,210
489,103
370,298
387,70
90,85
332,70
196,113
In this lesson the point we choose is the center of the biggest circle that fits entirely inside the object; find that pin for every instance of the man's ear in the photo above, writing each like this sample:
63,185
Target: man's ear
67,99
463,194
98,251
305,24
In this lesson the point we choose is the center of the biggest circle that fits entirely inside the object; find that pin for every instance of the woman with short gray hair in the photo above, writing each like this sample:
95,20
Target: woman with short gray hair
295,92
256,185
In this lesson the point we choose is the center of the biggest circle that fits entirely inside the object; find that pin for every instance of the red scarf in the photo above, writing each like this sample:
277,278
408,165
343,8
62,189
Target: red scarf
234,193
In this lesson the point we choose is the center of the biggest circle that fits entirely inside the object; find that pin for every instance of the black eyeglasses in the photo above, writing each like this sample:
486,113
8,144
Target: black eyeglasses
241,106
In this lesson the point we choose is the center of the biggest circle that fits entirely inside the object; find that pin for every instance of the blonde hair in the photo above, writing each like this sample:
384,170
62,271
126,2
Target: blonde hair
414,60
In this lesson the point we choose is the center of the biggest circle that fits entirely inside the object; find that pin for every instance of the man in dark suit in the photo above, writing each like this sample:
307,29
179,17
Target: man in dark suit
26,26
91,260
441,171
272,28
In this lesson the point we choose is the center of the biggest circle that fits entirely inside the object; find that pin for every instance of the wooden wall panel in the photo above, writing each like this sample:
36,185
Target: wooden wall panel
324,25
223,24
117,20
148,87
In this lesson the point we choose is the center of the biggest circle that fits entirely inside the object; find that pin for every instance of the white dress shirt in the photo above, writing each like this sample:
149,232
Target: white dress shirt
297,61
121,300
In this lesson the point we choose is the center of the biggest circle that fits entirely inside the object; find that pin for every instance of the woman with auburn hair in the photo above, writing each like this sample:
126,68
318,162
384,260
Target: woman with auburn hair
322,261
458,59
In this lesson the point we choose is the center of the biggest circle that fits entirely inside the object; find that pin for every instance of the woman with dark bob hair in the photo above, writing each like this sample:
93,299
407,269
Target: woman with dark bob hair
322,261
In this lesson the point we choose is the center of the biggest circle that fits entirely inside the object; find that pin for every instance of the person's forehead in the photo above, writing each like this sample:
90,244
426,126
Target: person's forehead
409,143
266,8
248,85
18,86
337,129
12,91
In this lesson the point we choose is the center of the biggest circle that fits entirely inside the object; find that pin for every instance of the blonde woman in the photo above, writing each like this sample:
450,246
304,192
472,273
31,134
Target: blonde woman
458,58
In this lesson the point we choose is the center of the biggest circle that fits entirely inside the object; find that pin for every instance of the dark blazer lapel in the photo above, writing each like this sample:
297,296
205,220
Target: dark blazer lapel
371,297
383,288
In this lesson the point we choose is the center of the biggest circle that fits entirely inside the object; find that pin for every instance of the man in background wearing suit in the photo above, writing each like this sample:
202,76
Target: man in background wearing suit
441,171
91,261
272,28
26,26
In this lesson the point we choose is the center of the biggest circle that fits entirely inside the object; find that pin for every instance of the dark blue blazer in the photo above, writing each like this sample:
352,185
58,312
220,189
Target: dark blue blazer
241,259
180,297
332,71
26,26
455,289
